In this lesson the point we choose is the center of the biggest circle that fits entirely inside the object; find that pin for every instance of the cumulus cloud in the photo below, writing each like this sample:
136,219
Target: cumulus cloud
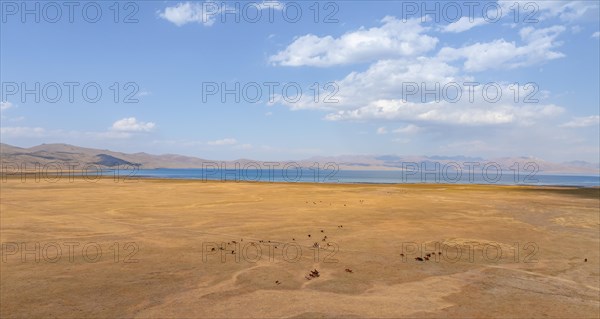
373,94
565,10
380,93
585,121
183,13
5,105
499,54
409,129
463,24
225,141
393,39
448,113
131,124
206,13
596,34
382,80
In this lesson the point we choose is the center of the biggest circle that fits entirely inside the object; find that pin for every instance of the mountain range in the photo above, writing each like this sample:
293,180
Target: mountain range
64,153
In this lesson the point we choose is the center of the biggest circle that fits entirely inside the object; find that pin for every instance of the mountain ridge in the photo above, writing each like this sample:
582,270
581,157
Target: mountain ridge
58,152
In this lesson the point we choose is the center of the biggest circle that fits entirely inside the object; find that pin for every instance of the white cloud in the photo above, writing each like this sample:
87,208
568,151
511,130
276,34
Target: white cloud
225,141
409,129
448,113
131,124
596,34
207,12
5,105
565,10
463,24
394,38
377,94
500,54
204,13
382,80
586,121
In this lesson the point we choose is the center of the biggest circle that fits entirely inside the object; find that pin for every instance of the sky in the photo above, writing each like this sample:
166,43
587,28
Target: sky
292,80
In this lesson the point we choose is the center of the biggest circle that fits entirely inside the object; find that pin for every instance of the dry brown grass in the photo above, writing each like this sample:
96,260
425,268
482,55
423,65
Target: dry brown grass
170,220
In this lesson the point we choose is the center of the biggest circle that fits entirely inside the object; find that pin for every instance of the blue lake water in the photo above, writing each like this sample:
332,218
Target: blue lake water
307,175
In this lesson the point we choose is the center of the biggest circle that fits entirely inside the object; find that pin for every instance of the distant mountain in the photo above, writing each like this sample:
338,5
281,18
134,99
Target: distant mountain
48,153
583,164
64,153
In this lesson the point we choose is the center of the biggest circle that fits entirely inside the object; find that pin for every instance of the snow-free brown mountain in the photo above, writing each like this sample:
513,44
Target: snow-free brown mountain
65,153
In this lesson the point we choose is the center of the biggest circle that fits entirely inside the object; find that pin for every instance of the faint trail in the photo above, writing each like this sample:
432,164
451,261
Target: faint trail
544,276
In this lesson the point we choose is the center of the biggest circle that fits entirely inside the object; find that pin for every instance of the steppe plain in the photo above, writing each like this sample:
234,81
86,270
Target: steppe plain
184,248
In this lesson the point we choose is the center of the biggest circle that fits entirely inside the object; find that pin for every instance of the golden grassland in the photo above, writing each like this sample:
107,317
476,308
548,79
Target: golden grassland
523,250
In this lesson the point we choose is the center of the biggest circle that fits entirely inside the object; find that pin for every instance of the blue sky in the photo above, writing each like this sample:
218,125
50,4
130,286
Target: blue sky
370,53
